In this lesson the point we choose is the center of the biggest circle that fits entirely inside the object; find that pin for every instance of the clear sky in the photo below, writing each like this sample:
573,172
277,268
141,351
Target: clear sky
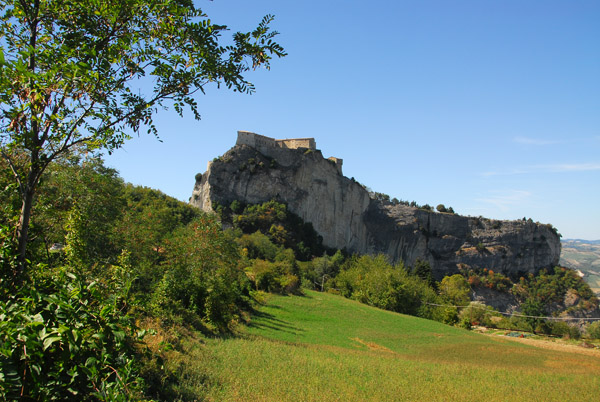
489,106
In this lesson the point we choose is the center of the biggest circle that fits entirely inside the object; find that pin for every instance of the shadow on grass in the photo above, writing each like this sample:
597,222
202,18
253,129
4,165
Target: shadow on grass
261,319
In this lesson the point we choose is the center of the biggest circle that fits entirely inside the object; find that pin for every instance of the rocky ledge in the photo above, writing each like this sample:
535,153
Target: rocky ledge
343,213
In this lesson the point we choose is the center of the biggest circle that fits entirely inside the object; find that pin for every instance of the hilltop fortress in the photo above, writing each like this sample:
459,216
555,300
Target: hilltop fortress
267,144
263,143
293,171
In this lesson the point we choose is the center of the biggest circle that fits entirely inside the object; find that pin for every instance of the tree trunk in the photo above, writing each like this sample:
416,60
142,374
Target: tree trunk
24,219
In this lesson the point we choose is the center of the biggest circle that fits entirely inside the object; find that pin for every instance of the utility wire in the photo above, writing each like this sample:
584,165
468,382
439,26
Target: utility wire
515,315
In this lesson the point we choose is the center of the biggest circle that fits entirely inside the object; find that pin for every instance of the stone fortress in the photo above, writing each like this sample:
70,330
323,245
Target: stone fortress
264,144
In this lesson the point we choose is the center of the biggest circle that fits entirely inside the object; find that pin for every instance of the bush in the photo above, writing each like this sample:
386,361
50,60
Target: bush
374,281
274,277
201,275
477,313
593,330
560,328
66,340
449,315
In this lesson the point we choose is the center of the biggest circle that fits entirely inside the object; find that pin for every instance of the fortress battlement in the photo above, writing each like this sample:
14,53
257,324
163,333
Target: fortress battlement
264,144
260,141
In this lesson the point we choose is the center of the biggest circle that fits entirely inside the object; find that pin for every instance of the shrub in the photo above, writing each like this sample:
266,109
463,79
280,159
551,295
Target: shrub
374,281
66,340
560,328
201,274
449,315
478,313
275,277
593,330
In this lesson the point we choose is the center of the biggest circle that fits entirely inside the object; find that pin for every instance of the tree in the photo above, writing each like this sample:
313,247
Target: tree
422,269
77,193
71,73
456,290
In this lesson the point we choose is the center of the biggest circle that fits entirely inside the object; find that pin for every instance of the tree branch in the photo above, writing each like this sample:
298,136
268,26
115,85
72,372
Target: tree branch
13,169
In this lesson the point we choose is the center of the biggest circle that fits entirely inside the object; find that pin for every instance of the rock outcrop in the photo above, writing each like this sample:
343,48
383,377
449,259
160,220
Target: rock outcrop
343,213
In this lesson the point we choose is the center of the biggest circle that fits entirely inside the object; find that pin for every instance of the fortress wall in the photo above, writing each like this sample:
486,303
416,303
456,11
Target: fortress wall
262,143
254,140
296,143
338,163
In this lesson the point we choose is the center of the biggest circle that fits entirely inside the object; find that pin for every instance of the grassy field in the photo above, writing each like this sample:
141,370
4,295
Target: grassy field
322,347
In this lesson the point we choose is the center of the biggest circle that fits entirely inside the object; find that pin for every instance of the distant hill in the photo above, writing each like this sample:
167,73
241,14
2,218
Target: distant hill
583,255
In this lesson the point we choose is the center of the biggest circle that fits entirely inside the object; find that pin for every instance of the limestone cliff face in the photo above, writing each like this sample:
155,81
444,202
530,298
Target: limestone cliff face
341,211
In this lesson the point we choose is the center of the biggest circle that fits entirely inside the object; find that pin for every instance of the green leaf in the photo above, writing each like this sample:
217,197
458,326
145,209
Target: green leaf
50,340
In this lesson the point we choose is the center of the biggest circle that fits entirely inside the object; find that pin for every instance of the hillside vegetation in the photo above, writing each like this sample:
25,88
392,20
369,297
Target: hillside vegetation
130,294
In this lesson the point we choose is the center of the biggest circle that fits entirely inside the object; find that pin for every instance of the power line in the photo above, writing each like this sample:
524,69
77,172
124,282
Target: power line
516,315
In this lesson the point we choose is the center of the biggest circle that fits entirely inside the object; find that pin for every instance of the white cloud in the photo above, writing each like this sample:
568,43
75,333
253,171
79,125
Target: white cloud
554,168
534,141
503,200
570,167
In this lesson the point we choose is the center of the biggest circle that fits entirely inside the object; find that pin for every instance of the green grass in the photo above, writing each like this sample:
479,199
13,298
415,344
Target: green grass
322,347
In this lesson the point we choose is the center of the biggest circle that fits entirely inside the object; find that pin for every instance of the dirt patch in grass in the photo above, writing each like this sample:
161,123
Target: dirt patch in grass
373,346
552,345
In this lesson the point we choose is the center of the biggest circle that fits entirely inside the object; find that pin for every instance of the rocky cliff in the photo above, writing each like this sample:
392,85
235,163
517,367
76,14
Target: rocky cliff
344,214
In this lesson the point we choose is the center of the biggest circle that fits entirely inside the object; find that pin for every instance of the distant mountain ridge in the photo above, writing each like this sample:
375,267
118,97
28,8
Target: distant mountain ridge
594,242
584,256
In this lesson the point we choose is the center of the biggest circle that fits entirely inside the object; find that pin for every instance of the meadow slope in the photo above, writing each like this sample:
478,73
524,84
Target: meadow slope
322,347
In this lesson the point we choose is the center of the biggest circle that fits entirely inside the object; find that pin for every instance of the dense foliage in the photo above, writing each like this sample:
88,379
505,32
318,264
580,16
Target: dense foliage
107,255
278,223
374,281
552,287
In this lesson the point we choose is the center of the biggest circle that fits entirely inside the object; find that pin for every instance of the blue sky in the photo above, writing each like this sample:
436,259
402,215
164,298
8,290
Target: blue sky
491,107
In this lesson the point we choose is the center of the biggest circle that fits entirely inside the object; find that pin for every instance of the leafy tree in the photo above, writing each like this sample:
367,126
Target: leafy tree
282,226
78,188
201,274
476,313
441,208
373,280
325,267
422,269
258,245
149,218
70,72
593,330
456,290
